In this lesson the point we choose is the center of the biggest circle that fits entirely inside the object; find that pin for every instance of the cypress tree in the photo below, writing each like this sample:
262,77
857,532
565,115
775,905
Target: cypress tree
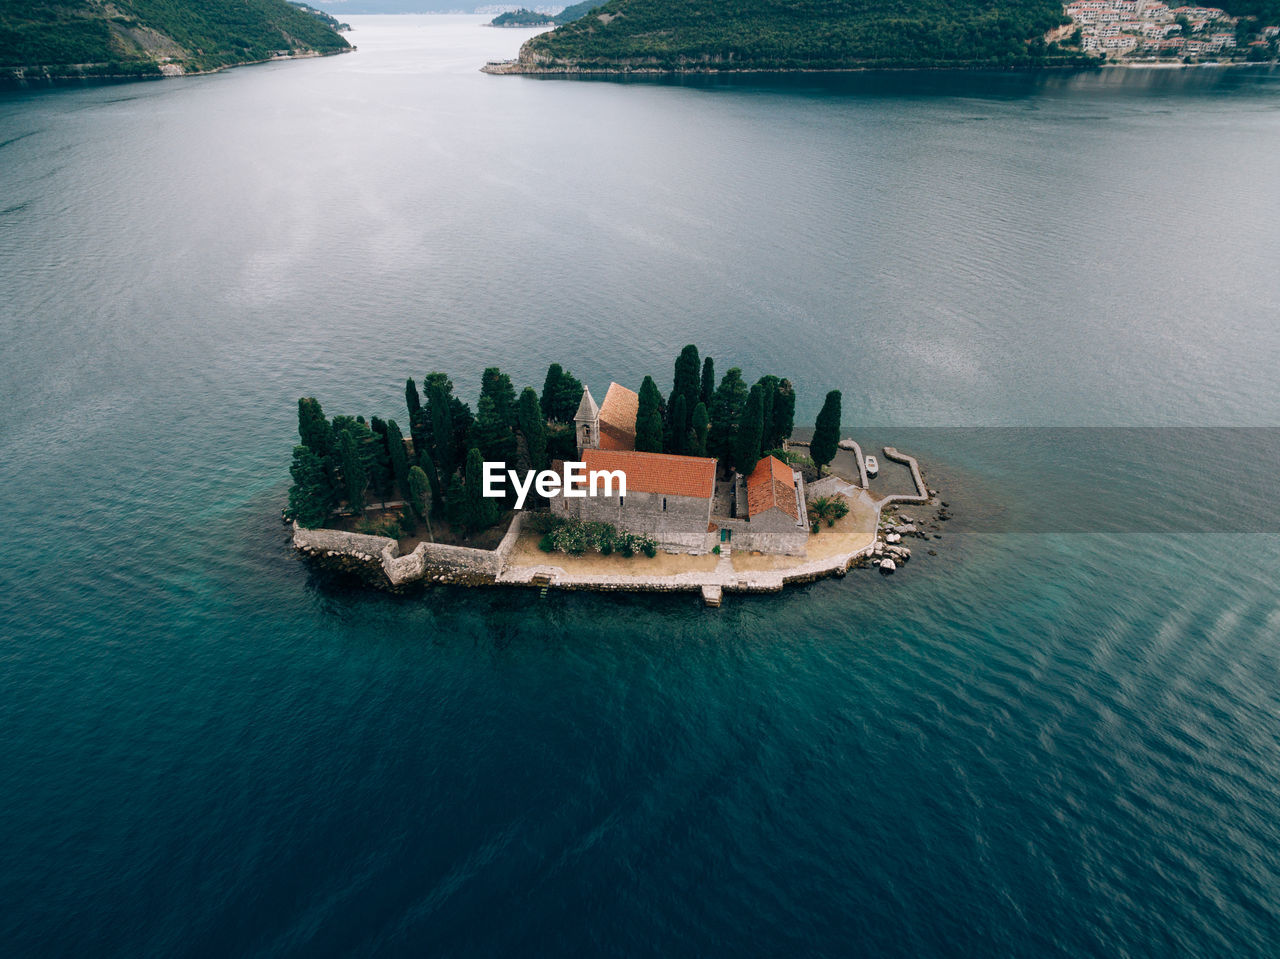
533,426
417,492
768,392
726,413
746,452
784,413
708,386
314,428
440,410
492,434
457,505
309,496
399,456
826,431
433,478
550,389
680,425
411,399
354,477
568,396
701,425
687,383
497,385
481,512
649,418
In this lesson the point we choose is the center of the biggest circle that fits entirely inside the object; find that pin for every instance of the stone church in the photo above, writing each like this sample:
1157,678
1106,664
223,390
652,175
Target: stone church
677,500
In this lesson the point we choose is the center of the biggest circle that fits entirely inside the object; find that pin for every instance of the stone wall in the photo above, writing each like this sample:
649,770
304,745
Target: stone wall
438,562
680,527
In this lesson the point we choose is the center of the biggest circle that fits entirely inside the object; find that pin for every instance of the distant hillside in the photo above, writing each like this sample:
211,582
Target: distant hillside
528,18
59,38
717,35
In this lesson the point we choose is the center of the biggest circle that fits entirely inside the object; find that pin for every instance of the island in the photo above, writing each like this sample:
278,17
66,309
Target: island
530,18
135,39
705,488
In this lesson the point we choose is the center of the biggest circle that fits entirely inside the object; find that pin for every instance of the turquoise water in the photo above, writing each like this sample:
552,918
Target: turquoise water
1035,743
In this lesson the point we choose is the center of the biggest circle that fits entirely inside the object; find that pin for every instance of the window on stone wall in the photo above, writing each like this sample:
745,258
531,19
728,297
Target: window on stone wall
664,504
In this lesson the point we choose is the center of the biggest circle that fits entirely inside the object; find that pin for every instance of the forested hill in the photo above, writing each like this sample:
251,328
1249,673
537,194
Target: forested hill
147,37
799,34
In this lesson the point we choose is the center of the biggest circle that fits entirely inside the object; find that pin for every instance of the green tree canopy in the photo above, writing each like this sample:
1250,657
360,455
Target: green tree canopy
314,428
701,426
482,511
533,427
310,498
649,418
354,476
826,431
707,388
746,450
726,413
418,484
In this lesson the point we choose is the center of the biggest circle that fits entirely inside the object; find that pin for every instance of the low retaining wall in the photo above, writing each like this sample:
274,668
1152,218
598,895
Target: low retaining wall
438,562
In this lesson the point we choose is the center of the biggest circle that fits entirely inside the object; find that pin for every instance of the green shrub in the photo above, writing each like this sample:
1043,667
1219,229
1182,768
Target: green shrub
716,549
547,544
649,548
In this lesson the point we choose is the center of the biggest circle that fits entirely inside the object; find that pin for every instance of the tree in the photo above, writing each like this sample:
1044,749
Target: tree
310,499
418,485
768,393
497,385
549,387
784,414
457,504
826,431
649,418
399,456
533,425
680,425
314,428
826,509
411,399
746,451
708,386
561,394
726,412
492,434
481,512
440,417
433,478
354,477
687,383
701,424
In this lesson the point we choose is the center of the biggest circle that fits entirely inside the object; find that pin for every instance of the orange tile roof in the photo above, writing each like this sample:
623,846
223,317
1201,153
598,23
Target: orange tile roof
772,484
657,472
618,418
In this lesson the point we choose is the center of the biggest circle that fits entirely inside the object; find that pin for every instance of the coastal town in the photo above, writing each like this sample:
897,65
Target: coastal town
1137,30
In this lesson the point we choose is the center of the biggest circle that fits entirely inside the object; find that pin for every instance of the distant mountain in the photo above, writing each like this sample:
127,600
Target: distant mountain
62,38
787,35
530,18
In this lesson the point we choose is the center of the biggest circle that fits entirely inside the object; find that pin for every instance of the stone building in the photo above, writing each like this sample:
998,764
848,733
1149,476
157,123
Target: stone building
668,498
776,518
672,498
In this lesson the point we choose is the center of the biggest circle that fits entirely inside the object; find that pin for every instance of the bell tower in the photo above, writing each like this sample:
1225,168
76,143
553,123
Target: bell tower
587,423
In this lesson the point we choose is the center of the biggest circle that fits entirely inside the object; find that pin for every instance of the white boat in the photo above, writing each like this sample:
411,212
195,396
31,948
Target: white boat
873,466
